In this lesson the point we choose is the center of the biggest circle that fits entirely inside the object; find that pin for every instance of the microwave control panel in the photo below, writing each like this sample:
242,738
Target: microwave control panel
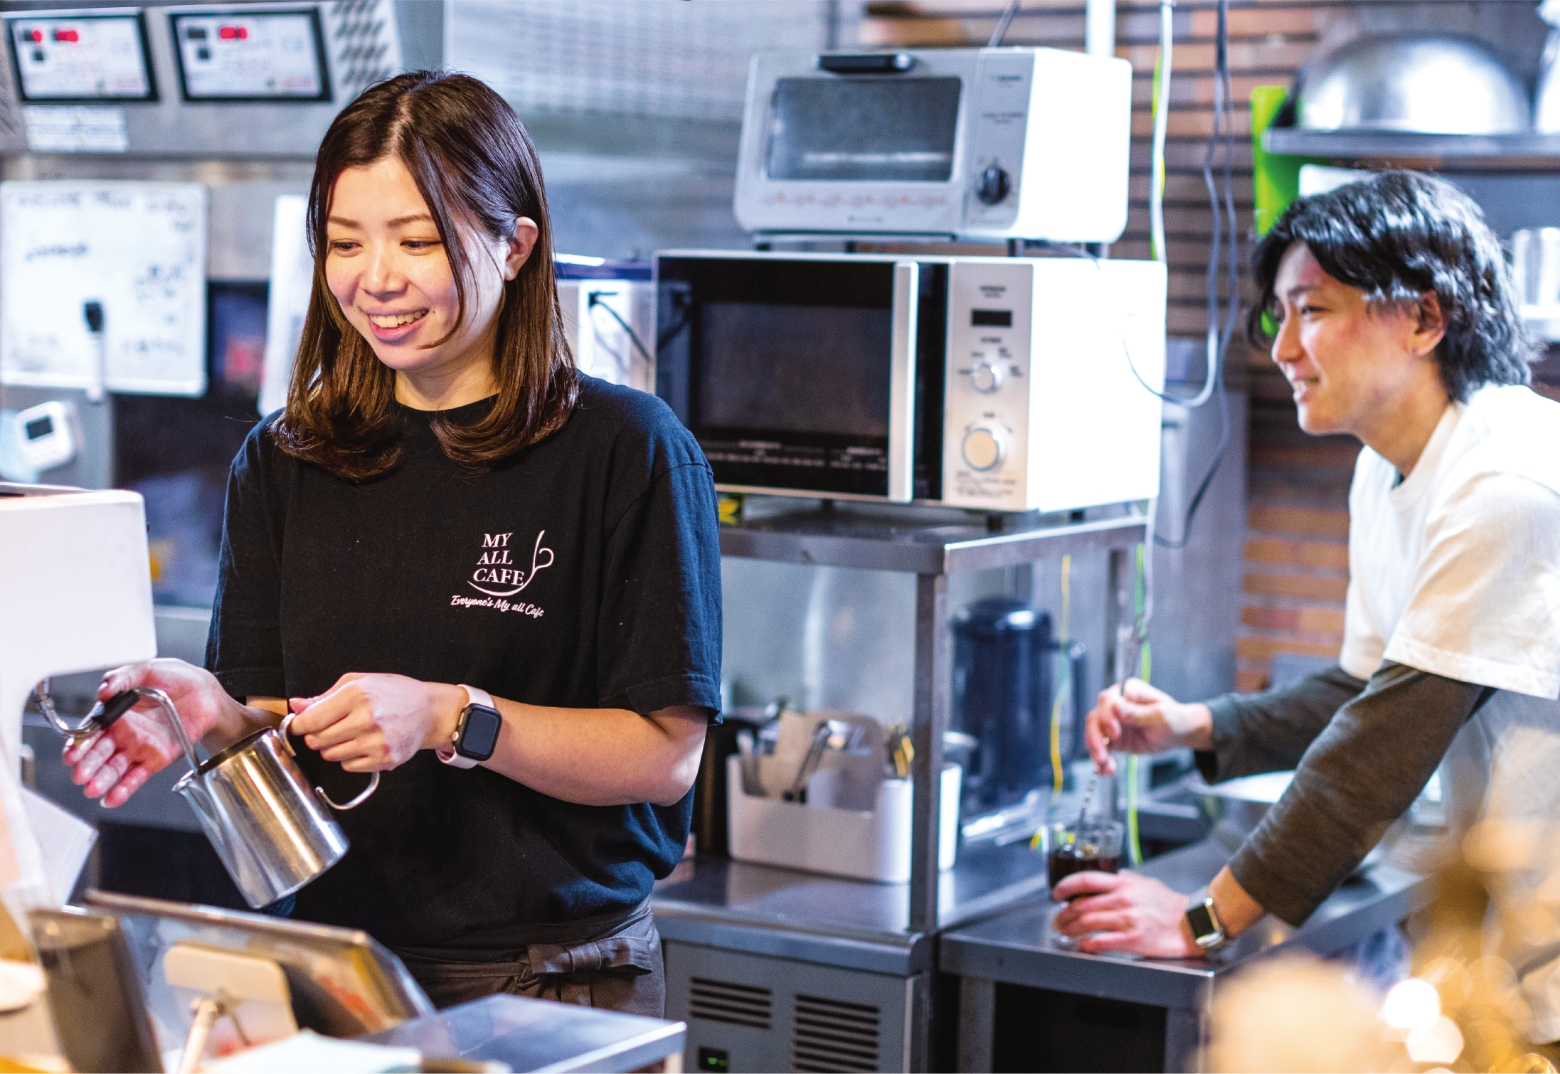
1052,368
986,431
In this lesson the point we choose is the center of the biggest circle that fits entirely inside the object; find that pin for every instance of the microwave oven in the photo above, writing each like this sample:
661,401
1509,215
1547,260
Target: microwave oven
991,383
992,143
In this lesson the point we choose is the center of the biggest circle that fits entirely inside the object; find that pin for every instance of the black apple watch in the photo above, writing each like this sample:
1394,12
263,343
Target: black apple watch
476,733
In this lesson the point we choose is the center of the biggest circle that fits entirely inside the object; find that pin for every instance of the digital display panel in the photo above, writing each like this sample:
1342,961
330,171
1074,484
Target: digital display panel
991,318
79,58
251,55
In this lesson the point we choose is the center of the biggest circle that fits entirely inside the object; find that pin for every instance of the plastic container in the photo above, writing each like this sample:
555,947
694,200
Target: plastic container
863,845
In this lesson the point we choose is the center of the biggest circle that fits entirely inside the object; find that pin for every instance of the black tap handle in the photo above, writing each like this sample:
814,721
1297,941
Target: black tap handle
93,312
114,708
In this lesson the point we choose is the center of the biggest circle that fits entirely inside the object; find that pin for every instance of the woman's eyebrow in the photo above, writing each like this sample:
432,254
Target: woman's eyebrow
413,218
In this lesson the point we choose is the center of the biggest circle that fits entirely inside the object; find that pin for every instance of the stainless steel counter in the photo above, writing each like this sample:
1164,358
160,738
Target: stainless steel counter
1017,947
534,1034
788,913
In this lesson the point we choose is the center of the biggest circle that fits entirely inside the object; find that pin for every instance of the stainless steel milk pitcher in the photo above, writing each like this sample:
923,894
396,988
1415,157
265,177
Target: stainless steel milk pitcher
272,830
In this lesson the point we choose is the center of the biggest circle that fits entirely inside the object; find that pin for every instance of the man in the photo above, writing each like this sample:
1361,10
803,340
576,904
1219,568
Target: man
1395,323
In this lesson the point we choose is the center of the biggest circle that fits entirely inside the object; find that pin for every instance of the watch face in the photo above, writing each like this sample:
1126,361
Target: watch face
479,732
1201,922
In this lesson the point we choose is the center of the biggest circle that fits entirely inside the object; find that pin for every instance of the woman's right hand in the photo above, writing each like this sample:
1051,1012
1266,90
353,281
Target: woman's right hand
1137,718
113,764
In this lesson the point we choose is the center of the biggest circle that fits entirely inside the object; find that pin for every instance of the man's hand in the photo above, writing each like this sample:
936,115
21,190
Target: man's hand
370,723
1136,718
1123,912
114,764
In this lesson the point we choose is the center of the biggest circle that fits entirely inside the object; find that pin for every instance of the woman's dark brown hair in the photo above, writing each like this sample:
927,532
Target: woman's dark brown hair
475,166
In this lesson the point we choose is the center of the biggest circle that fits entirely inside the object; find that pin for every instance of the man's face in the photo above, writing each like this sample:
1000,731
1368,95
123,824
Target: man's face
1348,362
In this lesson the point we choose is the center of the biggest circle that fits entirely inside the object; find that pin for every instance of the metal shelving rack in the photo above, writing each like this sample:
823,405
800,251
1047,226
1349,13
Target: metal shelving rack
839,537
1522,150
790,914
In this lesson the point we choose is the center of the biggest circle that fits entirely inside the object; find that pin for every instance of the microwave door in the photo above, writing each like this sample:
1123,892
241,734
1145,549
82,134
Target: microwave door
873,129
795,374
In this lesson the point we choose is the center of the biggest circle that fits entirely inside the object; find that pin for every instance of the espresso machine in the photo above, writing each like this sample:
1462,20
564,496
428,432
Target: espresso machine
75,596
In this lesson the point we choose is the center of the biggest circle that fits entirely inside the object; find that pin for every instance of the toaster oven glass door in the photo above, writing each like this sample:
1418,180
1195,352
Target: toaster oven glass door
873,128
785,369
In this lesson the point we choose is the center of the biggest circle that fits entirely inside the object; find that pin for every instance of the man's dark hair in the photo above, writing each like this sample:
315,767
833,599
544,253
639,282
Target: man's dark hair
1396,236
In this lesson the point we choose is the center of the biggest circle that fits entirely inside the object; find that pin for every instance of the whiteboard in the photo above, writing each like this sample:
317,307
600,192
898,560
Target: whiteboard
137,248
292,281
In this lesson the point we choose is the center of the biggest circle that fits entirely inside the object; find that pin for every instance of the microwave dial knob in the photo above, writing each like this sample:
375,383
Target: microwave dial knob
992,185
984,448
986,377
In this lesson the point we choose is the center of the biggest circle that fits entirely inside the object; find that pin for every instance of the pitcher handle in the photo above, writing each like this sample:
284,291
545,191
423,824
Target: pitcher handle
175,724
373,785
342,807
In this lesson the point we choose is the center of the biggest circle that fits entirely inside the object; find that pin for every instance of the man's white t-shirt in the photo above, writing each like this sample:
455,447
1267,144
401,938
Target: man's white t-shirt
1455,570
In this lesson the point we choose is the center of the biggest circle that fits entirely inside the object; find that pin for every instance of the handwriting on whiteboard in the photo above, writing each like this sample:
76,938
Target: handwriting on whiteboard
137,248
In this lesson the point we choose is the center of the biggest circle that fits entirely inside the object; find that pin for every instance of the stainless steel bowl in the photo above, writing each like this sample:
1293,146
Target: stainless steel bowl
1425,83
1234,808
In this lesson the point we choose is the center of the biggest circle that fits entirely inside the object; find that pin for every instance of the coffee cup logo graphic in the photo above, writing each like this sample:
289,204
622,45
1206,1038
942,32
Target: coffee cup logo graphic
497,576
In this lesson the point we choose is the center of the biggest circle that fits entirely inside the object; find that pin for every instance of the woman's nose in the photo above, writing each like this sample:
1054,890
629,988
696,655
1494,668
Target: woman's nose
382,275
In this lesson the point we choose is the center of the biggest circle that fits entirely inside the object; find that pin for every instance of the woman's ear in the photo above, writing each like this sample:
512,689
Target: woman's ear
520,245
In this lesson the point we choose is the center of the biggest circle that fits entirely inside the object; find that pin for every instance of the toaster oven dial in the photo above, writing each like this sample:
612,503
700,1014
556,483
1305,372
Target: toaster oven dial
986,377
992,184
984,447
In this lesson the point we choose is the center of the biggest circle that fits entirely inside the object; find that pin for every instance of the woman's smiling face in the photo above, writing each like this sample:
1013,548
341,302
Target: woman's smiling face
391,274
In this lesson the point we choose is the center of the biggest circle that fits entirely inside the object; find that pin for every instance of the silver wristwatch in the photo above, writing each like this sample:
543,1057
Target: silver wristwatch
1203,922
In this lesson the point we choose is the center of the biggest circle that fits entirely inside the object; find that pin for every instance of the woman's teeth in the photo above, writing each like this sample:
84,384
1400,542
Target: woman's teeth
398,320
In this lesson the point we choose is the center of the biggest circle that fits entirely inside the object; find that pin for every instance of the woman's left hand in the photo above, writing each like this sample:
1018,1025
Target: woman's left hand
370,723
1123,912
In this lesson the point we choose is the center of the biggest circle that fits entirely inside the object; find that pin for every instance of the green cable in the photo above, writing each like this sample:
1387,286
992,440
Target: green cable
1134,847
1063,636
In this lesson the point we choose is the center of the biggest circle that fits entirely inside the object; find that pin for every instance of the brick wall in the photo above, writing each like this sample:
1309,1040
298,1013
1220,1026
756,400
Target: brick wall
1296,556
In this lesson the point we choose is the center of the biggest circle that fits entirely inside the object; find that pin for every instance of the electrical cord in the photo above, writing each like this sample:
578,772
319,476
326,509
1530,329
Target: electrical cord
596,302
1220,331
1002,24
1063,640
1162,72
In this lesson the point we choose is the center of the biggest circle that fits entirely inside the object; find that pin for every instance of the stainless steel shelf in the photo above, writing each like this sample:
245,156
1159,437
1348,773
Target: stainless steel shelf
1519,150
787,913
873,539
1018,947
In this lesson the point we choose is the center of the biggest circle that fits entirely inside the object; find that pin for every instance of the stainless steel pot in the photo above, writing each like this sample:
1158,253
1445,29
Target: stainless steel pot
1426,82
272,830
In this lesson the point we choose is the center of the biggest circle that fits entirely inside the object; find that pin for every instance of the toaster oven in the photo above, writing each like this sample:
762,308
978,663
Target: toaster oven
991,383
989,143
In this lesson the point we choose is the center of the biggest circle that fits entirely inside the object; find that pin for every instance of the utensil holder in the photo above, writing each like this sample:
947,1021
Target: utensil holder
862,845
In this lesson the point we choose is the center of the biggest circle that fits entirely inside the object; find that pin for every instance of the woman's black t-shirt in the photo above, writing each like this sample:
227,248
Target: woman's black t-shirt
582,572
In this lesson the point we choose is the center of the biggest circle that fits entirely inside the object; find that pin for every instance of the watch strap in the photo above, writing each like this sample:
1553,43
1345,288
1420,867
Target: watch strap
448,754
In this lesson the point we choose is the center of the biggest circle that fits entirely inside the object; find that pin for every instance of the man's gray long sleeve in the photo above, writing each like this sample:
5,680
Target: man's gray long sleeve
1357,769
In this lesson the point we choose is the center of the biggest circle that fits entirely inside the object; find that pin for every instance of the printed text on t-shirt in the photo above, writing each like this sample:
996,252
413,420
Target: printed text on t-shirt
497,575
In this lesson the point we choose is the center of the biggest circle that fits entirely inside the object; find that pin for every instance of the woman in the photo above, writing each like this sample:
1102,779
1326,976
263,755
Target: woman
446,521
